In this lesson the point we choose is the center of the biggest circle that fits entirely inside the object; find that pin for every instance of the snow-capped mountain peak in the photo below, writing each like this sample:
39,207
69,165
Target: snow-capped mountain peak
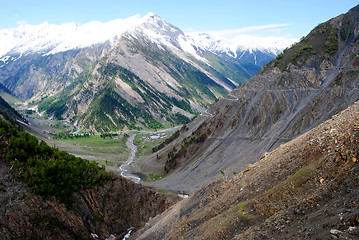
49,38
162,33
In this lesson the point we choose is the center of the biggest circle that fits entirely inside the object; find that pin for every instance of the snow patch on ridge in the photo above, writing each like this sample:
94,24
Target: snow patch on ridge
160,32
188,47
217,43
4,58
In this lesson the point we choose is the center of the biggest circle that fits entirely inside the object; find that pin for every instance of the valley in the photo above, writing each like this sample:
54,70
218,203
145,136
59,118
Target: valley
165,135
113,150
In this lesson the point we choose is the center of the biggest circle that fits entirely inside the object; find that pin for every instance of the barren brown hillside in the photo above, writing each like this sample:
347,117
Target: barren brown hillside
307,188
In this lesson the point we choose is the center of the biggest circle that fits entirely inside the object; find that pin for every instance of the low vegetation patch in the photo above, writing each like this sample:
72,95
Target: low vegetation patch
173,156
324,38
241,212
286,193
332,42
154,177
305,50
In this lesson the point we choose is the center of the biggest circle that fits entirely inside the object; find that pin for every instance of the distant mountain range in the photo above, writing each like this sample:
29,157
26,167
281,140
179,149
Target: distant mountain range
134,72
51,39
256,50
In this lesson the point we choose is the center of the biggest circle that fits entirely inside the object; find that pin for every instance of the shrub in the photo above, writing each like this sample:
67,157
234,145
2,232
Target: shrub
331,43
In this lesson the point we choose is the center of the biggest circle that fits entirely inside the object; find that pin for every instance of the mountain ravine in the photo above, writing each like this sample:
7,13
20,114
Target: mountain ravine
301,88
49,194
277,158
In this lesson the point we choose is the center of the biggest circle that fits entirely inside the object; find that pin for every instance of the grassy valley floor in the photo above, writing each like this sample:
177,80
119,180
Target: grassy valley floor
108,149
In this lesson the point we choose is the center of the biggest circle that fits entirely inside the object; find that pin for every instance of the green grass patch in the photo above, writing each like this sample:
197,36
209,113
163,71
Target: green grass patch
167,192
295,180
286,193
96,143
154,177
241,213
10,99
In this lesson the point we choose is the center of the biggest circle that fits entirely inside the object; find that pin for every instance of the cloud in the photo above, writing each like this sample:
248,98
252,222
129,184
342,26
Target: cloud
252,30
21,22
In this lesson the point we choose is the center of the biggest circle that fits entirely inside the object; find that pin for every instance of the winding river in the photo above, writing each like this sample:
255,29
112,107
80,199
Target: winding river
124,167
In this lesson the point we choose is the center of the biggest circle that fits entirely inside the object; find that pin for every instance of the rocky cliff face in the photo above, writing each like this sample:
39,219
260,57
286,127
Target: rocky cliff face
300,89
306,188
106,210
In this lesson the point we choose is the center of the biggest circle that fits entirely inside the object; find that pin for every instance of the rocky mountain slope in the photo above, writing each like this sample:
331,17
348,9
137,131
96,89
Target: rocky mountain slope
139,71
301,88
7,113
305,189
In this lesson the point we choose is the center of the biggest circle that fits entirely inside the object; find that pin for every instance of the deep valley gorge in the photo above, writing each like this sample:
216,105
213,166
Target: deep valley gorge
152,133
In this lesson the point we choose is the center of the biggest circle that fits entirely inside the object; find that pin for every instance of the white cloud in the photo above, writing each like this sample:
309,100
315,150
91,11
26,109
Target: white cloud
21,22
259,30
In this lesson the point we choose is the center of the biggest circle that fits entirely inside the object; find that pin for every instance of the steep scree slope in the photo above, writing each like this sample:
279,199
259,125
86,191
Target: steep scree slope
305,189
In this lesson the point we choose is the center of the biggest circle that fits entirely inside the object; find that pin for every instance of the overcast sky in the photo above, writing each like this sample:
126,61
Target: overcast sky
292,19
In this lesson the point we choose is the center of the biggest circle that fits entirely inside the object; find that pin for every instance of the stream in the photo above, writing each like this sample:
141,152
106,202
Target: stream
130,144
124,171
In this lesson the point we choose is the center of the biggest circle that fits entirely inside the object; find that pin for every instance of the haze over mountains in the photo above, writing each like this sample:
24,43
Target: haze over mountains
161,75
